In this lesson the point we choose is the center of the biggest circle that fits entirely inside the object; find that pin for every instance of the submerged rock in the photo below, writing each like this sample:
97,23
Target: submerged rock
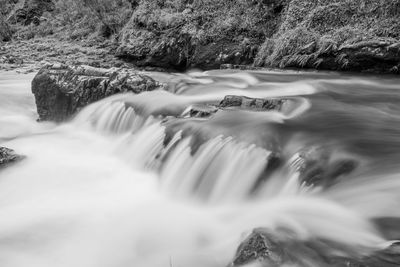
60,90
8,156
198,111
317,166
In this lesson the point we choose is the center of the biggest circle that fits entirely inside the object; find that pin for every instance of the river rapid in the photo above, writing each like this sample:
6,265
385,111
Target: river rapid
136,180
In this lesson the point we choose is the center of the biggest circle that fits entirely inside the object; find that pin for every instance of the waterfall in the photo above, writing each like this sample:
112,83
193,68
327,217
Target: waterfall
183,173
202,174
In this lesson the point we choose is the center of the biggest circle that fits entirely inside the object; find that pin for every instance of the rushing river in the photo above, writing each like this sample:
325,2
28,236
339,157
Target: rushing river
135,180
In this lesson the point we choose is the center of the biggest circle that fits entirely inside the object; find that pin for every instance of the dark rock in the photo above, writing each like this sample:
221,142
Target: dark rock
231,101
8,156
282,249
259,104
375,56
60,90
317,168
190,43
180,52
258,246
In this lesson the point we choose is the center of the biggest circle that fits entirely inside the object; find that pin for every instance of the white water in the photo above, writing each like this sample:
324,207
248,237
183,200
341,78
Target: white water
103,190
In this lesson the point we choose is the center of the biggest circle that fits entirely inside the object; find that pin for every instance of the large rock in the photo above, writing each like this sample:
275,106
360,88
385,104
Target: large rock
179,51
195,34
377,56
60,90
8,156
281,249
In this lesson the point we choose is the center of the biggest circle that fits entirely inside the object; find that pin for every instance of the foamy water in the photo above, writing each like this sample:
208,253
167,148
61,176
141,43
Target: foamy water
121,185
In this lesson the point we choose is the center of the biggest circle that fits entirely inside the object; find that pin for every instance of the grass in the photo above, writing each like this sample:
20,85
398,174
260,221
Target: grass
277,33
313,30
78,20
204,19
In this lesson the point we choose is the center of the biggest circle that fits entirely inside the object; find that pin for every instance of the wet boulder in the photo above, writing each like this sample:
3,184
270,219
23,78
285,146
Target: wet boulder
281,248
233,102
260,104
259,246
8,156
60,90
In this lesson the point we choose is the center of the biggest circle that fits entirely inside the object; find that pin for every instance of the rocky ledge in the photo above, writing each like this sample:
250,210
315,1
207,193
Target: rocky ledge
60,90
8,156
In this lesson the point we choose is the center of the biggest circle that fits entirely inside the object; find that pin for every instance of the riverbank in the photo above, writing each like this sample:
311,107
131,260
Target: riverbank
340,35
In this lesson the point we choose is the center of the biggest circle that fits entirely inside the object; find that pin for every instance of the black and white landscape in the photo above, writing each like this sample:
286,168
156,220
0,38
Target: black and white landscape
201,133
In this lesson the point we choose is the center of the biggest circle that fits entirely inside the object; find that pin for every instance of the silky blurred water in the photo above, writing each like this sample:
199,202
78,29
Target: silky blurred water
132,181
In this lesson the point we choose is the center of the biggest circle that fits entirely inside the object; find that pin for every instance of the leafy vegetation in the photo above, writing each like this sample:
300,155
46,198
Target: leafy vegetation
313,31
208,33
73,19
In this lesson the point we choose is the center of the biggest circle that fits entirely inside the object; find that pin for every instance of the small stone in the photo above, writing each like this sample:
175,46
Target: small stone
8,156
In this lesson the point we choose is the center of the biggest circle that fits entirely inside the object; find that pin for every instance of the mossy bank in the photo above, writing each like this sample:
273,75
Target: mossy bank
346,35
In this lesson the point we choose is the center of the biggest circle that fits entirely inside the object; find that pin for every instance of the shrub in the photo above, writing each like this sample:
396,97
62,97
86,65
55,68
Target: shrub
5,30
112,14
79,19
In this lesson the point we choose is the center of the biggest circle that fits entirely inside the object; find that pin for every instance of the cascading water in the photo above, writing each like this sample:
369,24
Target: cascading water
133,180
